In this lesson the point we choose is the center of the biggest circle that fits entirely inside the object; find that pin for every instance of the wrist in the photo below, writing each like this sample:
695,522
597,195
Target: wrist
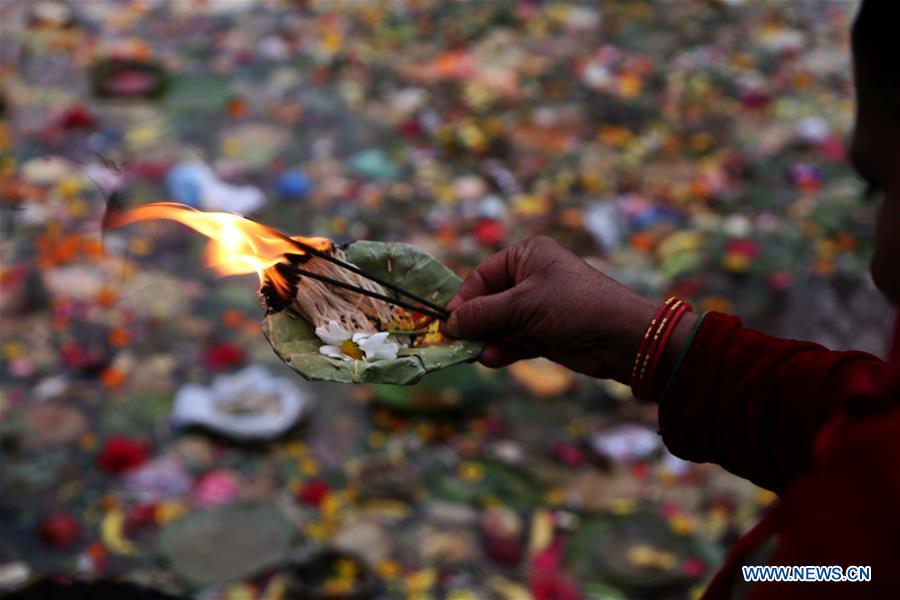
659,351
672,336
621,335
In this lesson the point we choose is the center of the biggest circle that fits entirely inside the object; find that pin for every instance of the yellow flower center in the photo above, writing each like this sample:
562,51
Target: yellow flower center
471,472
351,349
346,569
647,556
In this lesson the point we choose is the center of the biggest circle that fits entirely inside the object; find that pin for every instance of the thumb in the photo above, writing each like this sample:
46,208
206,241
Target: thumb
483,317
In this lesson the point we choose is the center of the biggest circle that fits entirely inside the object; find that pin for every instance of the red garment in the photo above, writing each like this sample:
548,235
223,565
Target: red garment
820,428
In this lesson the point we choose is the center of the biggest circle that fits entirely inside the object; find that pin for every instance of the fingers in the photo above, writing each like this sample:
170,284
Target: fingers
490,277
483,317
501,354
505,269
493,278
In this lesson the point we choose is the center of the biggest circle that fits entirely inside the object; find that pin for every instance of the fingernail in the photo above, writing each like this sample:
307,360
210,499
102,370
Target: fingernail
452,326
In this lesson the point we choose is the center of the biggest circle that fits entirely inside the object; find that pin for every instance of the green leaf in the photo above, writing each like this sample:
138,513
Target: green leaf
197,93
598,552
295,342
500,483
226,543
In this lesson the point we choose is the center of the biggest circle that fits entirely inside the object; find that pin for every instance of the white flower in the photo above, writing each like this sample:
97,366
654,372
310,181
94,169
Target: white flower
340,343
333,334
336,340
626,443
812,129
376,345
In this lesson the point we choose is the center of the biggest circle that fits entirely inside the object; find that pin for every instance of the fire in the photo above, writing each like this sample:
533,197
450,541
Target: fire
237,245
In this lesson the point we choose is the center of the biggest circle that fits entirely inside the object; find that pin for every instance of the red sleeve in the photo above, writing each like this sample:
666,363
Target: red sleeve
753,403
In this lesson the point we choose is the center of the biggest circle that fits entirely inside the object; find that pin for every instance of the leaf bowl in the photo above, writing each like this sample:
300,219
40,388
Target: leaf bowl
294,339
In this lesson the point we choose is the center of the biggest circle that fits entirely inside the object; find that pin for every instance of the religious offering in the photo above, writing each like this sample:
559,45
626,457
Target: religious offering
152,427
225,542
638,553
362,312
127,78
247,405
331,575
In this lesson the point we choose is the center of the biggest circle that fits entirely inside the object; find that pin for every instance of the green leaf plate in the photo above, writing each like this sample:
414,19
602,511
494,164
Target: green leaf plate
498,482
295,342
226,543
598,552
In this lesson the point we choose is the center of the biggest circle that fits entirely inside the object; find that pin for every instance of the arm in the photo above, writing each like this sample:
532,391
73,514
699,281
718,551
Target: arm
739,398
753,403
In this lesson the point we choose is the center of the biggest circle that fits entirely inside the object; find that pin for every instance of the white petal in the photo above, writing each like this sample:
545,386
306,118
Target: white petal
331,351
375,339
332,334
360,338
388,350
377,346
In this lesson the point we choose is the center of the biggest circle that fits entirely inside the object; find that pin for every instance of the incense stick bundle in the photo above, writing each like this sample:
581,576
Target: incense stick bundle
318,302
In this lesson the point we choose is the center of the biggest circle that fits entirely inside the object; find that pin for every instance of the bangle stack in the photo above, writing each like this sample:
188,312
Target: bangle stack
646,362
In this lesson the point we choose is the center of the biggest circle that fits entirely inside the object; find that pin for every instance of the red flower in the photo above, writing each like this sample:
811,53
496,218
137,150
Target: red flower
96,553
59,530
140,517
568,454
120,454
746,247
547,578
223,356
693,567
218,487
670,509
492,424
489,232
503,536
410,129
780,281
641,469
313,492
505,551
154,171
77,117
833,148
754,100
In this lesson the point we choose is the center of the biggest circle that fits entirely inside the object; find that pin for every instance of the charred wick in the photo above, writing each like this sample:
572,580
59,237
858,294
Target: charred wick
274,300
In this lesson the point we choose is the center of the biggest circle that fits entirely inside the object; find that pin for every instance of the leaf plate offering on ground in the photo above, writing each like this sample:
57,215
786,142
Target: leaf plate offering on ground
296,343
640,553
226,543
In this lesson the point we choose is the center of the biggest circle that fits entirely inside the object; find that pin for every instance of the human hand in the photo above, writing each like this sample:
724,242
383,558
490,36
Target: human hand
538,299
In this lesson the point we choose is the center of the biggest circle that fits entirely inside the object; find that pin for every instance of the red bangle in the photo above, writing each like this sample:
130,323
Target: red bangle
653,345
660,348
645,342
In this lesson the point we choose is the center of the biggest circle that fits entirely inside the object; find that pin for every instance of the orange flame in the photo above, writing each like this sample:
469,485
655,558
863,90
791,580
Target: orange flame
237,245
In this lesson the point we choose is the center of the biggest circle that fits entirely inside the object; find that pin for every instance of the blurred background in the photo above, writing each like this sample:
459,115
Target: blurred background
694,148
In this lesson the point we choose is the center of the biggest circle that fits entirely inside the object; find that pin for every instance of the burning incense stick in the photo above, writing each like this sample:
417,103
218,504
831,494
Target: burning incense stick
325,288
